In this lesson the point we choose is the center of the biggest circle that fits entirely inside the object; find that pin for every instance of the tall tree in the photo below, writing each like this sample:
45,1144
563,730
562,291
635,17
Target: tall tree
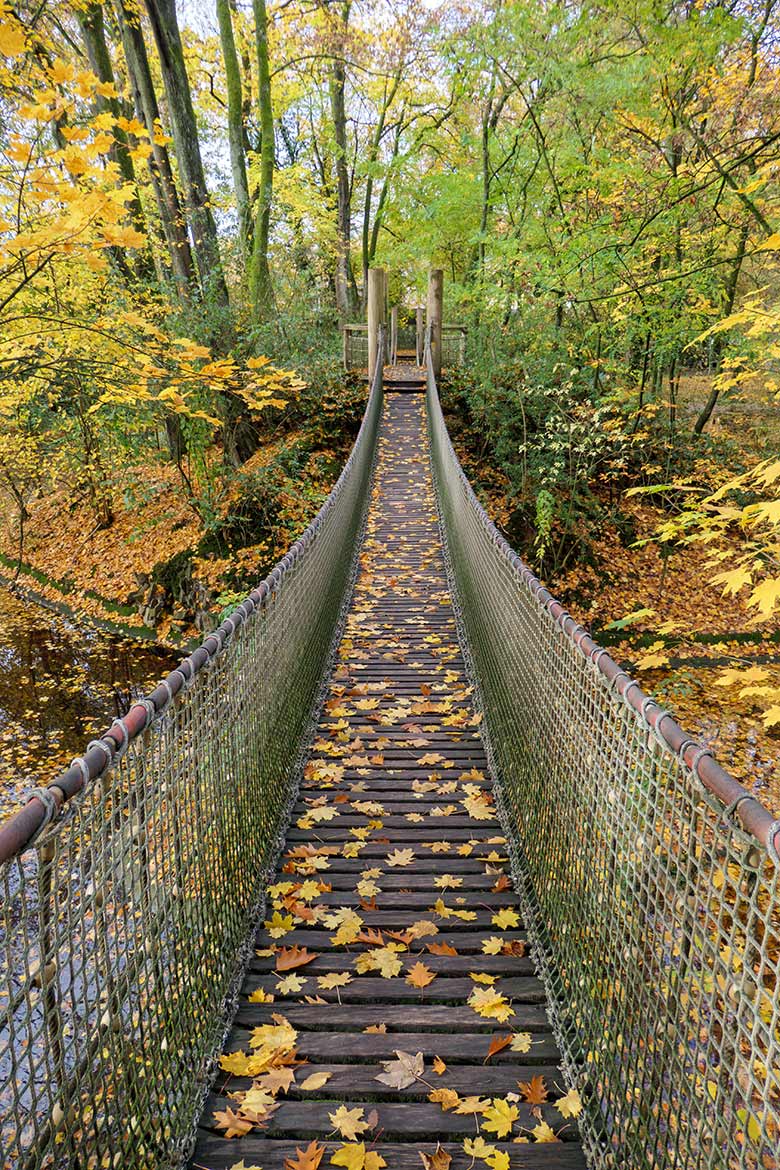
235,116
93,31
169,207
205,245
261,289
346,289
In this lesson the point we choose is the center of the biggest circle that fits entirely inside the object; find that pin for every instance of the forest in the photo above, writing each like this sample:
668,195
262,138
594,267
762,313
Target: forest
191,198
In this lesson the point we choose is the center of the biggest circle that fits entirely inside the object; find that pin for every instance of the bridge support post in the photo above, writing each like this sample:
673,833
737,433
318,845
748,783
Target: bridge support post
419,314
377,285
393,335
435,315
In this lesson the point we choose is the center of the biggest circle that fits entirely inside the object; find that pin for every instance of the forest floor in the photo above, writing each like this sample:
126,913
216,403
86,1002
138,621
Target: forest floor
693,633
157,568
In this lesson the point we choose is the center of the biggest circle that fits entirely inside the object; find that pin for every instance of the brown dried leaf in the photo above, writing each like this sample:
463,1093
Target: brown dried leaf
288,958
308,1159
441,948
533,1091
420,976
233,1125
438,1160
497,1044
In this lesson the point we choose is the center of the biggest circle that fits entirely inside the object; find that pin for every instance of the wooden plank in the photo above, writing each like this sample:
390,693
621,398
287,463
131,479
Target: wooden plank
367,990
448,965
359,1081
455,1048
397,1121
214,1153
411,1017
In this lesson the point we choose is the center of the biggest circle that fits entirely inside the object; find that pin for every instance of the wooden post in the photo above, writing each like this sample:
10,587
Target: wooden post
419,313
435,315
394,335
377,291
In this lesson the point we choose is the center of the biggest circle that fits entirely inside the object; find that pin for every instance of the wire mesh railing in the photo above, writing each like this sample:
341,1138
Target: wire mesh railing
453,345
355,344
130,885
649,876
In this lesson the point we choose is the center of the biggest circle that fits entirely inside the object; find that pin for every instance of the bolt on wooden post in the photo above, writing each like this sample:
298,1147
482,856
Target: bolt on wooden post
435,315
376,313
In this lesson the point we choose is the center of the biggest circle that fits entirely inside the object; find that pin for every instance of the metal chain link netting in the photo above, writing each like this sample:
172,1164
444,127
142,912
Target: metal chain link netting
124,928
653,914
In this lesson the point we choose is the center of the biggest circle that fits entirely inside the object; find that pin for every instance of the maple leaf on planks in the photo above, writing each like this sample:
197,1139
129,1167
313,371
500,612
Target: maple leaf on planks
256,1100
441,948
570,1105
287,958
439,1067
420,976
499,1117
447,1098
478,1148
233,1125
349,1122
290,985
261,996
356,1157
438,1160
543,1133
506,919
272,1039
243,1166
337,979
375,1030
521,1042
399,857
420,929
308,1159
403,1071
468,1105
276,1080
490,1004
534,1091
497,1044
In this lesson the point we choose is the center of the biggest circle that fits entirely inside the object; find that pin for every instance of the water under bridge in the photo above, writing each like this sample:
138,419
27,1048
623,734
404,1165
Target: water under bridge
399,861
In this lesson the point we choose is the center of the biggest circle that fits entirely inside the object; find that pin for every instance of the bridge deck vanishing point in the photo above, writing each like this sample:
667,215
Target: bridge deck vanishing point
394,875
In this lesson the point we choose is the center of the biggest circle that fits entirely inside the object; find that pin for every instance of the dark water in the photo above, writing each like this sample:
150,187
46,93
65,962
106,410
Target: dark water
61,684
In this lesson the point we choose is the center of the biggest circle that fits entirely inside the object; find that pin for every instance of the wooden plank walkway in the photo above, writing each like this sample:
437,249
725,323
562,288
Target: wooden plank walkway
394,877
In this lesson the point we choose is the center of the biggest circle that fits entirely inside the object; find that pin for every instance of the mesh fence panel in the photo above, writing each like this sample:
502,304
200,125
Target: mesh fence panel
653,913
124,927
356,347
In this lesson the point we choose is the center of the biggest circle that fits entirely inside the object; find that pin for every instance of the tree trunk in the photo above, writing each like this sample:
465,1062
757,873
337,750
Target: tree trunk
346,291
235,115
94,33
261,290
168,205
373,154
165,26
731,294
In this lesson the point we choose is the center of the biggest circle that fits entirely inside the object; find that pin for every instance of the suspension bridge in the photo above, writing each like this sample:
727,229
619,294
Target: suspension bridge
397,862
